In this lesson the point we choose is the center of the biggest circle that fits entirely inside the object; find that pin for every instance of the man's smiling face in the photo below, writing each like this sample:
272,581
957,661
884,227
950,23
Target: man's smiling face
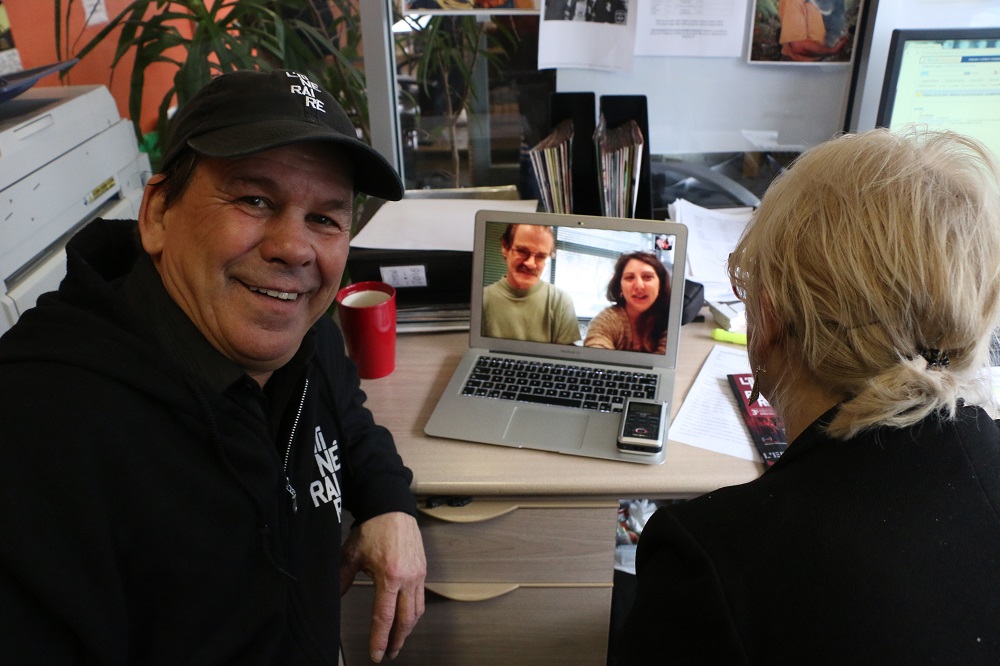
530,248
254,249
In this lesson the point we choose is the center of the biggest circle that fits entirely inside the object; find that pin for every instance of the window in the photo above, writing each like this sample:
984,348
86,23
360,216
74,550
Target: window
466,94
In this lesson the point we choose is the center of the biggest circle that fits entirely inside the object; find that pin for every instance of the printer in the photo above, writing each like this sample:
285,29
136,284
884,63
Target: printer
66,158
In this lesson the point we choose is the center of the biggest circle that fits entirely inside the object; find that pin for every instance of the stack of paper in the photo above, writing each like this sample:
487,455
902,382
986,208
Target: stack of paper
619,158
551,160
430,224
432,319
730,315
409,226
712,235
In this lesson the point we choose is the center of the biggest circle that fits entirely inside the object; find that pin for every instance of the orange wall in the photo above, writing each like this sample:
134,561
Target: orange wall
33,29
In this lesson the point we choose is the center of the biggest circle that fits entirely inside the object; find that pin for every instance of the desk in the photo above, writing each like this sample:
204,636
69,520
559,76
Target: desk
404,400
523,573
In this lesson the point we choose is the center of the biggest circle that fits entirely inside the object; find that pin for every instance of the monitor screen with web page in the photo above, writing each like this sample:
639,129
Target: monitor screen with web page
945,78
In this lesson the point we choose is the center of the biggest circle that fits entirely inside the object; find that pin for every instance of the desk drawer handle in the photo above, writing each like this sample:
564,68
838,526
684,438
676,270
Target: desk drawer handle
471,591
476,511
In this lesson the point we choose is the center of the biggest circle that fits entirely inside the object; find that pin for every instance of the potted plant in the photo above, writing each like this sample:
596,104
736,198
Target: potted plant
202,39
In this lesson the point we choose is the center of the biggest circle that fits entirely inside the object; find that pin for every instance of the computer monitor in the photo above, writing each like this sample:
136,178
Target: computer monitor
947,78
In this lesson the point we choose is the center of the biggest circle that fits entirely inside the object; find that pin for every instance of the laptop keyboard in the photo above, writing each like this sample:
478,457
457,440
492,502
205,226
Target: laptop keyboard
586,387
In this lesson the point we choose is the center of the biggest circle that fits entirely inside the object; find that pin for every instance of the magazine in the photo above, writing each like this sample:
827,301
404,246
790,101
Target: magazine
766,428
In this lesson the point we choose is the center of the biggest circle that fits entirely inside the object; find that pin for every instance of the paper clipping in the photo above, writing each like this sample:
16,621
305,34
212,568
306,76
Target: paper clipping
571,29
706,28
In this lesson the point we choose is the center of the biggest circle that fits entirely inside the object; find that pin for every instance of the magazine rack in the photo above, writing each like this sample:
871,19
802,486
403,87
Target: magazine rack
617,110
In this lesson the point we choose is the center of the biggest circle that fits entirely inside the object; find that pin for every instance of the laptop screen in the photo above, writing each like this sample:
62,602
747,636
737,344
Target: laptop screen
601,289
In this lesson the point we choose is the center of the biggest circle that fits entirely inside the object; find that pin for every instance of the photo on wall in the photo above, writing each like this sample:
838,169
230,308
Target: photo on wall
592,11
804,31
470,6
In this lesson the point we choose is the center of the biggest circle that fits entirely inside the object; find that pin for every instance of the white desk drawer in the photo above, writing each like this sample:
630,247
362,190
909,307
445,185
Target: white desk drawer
495,541
527,626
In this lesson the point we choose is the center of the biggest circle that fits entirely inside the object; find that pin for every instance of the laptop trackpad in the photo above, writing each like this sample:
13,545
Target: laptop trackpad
546,429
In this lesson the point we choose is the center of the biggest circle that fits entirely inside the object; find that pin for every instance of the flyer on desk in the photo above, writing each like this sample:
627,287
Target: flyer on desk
764,424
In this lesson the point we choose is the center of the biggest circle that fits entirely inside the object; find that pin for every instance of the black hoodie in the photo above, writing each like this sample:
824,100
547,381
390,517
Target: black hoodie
146,517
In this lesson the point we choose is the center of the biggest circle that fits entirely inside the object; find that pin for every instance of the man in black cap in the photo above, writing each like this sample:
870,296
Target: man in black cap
181,432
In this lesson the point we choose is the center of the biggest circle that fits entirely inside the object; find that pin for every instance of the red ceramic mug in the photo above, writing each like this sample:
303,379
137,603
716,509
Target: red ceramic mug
368,319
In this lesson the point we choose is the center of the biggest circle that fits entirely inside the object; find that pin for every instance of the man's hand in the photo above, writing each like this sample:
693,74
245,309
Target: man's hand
389,549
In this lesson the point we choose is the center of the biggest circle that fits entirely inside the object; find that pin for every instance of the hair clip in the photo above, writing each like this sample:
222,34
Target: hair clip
935,358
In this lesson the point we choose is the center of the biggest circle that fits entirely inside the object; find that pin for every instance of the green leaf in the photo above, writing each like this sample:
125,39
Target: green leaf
225,35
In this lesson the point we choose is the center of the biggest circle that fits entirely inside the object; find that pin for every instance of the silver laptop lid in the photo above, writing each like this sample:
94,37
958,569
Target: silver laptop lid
586,249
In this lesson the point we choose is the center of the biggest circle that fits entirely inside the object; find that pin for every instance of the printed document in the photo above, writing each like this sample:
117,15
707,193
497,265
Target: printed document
712,235
707,28
709,417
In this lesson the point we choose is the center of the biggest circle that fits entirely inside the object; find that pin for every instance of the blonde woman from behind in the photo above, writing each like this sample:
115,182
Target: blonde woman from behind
871,276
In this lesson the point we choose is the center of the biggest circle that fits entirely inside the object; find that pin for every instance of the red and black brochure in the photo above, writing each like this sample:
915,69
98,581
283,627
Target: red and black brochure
766,428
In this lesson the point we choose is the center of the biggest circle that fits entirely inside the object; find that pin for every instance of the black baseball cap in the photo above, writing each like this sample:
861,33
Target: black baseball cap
246,112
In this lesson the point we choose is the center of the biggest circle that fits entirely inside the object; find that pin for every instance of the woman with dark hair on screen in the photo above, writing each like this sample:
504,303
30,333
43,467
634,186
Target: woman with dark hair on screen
871,278
640,291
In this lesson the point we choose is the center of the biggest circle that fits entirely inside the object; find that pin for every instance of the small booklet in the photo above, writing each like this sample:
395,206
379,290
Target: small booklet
619,160
551,160
766,428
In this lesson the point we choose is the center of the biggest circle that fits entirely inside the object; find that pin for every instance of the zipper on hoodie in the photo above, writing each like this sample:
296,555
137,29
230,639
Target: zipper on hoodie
288,451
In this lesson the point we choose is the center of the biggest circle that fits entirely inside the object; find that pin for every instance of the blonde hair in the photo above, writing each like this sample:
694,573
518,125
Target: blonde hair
874,251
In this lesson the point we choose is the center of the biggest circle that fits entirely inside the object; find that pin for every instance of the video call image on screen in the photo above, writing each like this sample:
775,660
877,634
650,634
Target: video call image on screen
552,284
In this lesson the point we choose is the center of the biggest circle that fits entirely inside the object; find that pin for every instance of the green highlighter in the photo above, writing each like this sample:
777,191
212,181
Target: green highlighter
723,335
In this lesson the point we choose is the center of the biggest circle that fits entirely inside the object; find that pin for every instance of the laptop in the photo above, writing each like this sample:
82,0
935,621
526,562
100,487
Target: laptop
561,396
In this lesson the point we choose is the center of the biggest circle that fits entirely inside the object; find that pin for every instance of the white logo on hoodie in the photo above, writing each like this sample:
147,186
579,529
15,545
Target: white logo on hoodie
327,487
